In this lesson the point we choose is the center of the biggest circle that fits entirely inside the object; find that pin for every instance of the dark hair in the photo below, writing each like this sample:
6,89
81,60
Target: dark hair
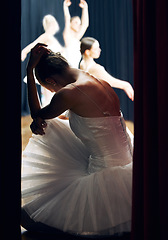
86,44
50,64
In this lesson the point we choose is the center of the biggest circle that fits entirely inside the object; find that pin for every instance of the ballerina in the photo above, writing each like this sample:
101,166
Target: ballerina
90,50
77,179
73,32
51,27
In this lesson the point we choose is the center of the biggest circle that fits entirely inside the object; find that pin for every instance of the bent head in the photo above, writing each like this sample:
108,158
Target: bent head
50,24
53,71
90,47
75,23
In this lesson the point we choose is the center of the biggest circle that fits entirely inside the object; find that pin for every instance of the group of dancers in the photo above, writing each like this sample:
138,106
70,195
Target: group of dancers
88,48
76,173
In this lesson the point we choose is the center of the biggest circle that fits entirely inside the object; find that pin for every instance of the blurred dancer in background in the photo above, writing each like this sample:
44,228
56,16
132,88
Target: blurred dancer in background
73,32
51,27
90,50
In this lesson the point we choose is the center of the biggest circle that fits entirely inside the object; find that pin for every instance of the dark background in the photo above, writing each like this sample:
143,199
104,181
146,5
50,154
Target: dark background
110,23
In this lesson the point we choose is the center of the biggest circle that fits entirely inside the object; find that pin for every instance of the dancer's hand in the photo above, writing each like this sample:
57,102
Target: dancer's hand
129,90
36,53
38,125
83,4
67,3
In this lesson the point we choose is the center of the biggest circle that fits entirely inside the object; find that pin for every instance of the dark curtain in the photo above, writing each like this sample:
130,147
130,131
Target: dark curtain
110,23
150,171
10,160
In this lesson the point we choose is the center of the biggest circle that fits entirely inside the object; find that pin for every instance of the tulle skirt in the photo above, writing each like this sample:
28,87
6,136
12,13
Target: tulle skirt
58,191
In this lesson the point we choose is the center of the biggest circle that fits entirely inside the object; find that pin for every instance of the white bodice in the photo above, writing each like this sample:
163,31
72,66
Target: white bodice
72,53
105,138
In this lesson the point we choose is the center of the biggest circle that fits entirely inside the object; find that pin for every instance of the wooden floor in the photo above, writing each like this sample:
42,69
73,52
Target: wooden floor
26,134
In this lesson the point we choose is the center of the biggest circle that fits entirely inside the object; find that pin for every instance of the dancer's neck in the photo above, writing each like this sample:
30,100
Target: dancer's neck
89,61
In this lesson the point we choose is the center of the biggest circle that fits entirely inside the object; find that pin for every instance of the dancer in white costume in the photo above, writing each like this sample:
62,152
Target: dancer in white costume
73,32
77,179
51,27
90,50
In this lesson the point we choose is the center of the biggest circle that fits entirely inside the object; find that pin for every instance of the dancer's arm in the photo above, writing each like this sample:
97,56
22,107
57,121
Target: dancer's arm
84,19
53,109
33,98
61,101
101,73
41,39
67,18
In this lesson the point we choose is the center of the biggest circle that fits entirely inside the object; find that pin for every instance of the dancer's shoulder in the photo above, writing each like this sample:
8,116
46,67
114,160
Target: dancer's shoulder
97,70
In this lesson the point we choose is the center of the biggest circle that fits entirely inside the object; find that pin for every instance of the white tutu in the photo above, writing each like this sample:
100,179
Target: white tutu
80,184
